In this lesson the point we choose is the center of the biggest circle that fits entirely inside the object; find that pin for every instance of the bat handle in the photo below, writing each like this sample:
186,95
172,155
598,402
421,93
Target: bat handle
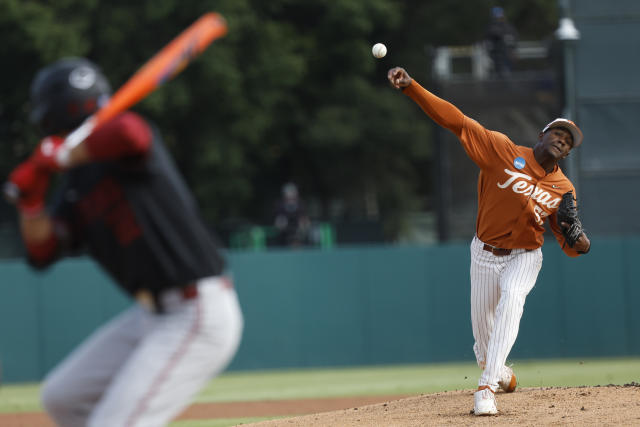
74,139
80,133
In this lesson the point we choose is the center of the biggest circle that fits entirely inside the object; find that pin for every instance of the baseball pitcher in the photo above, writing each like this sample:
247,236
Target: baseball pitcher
519,189
123,202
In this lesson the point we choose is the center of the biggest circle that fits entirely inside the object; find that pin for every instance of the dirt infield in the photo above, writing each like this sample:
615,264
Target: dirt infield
607,405
200,411
601,405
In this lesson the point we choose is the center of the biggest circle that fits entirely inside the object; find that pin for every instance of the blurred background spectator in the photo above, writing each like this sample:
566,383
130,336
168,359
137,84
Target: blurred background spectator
501,38
291,219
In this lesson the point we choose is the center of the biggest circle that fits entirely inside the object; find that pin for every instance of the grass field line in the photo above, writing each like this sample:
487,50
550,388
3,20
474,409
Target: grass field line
374,380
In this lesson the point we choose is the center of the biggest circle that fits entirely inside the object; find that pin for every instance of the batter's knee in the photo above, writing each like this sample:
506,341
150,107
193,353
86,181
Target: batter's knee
52,401
235,325
60,406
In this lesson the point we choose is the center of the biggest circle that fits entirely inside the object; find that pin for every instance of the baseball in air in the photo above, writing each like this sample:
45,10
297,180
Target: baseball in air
379,50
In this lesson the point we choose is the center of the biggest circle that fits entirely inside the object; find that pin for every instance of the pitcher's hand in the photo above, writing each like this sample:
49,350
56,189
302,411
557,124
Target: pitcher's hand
399,78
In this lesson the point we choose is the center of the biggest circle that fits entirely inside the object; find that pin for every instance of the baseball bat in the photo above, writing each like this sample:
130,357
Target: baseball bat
162,67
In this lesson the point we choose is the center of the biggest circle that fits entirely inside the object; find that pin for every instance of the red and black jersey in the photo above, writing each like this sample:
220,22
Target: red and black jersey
133,213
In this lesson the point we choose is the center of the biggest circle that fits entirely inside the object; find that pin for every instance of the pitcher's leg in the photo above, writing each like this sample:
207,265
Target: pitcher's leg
185,350
485,292
516,282
70,392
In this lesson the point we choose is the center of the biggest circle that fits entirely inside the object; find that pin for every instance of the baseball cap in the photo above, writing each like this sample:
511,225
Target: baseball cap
567,124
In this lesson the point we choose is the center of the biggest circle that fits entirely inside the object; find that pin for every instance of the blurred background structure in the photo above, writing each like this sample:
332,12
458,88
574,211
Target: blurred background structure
288,98
568,75
292,94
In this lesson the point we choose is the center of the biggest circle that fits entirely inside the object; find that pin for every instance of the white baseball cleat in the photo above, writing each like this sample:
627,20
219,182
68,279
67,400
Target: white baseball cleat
484,401
508,380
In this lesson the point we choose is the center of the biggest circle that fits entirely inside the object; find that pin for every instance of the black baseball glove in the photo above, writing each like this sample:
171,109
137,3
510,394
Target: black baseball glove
568,213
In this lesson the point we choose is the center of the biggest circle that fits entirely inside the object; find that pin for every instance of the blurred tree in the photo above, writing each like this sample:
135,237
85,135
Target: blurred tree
292,92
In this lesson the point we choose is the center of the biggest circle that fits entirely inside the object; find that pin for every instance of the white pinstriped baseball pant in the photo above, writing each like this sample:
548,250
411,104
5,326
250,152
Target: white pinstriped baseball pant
499,287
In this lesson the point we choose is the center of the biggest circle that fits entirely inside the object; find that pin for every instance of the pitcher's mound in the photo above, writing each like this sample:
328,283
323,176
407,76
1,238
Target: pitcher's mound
610,405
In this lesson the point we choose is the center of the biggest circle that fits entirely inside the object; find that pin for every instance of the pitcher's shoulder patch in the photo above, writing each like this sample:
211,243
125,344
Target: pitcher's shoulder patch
519,162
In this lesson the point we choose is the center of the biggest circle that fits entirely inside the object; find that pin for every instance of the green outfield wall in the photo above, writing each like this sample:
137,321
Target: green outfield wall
346,306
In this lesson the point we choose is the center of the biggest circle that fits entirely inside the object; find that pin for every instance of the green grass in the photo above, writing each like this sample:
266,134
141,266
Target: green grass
410,379
377,380
20,398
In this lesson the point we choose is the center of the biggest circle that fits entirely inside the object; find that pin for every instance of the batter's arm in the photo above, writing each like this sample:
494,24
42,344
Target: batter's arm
442,112
125,136
39,238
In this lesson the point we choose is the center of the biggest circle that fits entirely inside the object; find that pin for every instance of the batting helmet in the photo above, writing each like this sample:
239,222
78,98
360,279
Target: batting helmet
65,93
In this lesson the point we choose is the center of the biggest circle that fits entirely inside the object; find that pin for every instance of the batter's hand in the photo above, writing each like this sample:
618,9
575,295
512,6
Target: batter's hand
27,187
399,78
45,156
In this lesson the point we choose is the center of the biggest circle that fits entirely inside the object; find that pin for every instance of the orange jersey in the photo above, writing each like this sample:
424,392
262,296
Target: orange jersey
515,194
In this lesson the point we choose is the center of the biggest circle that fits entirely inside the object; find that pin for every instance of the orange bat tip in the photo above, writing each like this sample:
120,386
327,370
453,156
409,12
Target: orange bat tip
215,15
